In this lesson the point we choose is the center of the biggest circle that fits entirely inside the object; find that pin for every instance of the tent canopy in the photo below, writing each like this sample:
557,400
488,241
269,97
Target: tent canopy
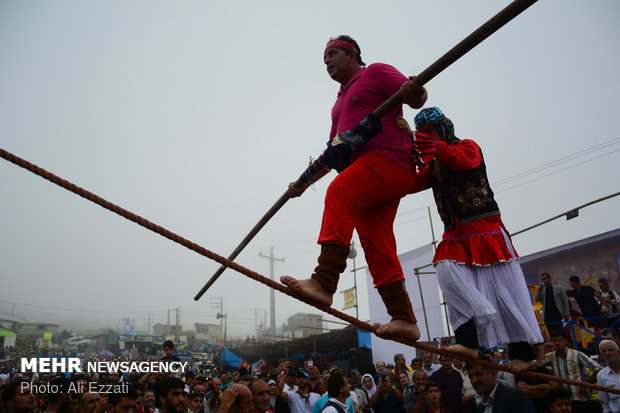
230,359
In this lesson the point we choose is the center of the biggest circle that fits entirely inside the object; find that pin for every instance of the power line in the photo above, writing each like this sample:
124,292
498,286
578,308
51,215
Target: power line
573,213
558,161
555,172
81,310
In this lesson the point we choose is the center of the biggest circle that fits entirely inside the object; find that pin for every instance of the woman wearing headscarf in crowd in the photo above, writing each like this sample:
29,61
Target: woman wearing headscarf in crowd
369,385
272,394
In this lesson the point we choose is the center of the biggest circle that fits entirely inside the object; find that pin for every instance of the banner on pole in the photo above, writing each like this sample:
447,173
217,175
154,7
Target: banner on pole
349,298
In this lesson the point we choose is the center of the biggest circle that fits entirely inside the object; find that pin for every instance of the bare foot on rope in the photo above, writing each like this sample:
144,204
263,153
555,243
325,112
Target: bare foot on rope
467,352
308,288
398,328
517,366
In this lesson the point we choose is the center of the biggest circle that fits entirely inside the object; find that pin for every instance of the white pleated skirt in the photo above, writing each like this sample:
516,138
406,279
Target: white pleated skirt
494,296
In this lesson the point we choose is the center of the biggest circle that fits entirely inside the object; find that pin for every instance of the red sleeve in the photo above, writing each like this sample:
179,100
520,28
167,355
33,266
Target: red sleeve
463,156
422,181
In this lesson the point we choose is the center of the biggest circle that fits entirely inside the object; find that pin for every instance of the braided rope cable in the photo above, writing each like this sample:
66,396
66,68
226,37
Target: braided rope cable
264,280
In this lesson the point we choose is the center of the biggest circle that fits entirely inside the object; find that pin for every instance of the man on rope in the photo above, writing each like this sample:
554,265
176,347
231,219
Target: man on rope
477,269
376,169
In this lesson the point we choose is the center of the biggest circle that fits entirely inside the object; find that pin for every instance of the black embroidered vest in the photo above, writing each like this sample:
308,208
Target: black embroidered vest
465,195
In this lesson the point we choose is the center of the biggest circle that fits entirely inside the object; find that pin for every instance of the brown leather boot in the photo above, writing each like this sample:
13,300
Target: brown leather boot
332,262
396,300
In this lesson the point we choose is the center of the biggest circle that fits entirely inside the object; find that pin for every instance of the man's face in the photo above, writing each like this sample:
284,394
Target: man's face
196,404
338,63
458,364
380,366
116,377
560,406
260,396
559,343
354,382
302,382
148,399
174,401
446,363
245,404
400,361
24,400
419,379
416,365
81,385
168,351
235,376
200,388
125,405
608,351
433,394
574,285
609,336
545,280
481,380
403,379
89,402
272,388
224,378
427,359
347,388
497,356
604,287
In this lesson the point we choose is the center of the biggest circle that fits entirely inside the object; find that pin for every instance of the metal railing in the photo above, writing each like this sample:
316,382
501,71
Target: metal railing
571,324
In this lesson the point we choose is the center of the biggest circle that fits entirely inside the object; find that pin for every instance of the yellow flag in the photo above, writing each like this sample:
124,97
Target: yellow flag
349,298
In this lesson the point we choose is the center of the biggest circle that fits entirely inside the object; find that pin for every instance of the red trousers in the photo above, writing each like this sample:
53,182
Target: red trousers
365,197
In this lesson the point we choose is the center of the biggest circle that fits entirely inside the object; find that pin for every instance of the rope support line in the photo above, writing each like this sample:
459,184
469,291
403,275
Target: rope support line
264,280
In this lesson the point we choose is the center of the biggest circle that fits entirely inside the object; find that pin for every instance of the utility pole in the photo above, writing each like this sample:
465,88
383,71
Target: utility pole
262,316
176,327
272,297
352,255
215,304
168,325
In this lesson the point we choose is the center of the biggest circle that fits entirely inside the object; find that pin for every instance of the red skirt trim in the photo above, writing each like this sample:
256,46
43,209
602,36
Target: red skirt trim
481,242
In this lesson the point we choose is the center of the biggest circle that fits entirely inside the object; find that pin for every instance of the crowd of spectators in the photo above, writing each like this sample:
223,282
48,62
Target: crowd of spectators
420,386
600,307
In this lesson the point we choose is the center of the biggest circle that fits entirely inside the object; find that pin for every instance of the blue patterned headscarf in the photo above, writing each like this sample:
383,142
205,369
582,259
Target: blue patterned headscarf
434,116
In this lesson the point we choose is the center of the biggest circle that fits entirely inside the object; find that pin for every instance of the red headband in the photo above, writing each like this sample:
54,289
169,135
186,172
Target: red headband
340,44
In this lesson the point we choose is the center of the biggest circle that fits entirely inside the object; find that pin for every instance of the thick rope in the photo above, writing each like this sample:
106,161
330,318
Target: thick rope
264,280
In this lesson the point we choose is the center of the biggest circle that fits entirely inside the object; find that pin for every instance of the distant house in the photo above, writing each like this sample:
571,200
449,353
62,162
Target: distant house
165,329
17,331
207,334
303,325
